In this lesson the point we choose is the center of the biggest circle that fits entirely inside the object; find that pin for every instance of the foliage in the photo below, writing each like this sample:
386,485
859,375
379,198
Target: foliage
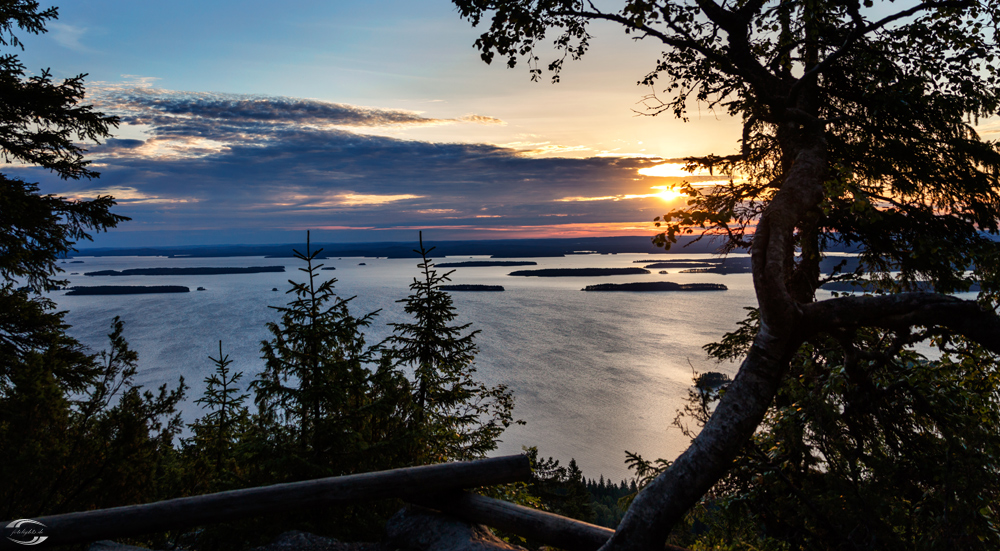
42,123
609,500
324,410
36,229
909,180
561,490
858,133
868,447
212,453
459,418
106,443
76,432
329,404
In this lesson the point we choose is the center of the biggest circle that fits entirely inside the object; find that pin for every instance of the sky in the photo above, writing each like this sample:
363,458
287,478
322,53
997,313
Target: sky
362,121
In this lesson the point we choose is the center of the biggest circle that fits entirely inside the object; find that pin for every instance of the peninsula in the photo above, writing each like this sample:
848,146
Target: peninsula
656,286
188,271
580,272
466,287
484,263
127,290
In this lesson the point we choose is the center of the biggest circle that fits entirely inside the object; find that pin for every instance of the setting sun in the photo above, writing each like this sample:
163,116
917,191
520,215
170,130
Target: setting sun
667,193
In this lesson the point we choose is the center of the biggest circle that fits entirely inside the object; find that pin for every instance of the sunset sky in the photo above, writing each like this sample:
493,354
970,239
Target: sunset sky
364,121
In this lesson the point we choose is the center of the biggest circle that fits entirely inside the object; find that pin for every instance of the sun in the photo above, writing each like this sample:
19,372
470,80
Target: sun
667,193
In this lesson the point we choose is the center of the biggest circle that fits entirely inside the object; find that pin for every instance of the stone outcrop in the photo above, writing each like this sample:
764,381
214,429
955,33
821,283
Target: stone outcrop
418,529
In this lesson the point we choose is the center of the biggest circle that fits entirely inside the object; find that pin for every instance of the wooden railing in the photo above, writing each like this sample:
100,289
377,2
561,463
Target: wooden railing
435,486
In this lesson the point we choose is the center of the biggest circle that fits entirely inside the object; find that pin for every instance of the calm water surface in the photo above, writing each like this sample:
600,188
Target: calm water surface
594,374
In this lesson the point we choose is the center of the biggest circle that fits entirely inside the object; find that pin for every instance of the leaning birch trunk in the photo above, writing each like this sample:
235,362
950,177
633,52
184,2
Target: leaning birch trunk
663,503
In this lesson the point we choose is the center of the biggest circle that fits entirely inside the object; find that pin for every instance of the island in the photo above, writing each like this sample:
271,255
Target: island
580,272
720,269
329,268
727,265
711,380
484,263
127,290
188,271
464,287
656,286
679,265
673,260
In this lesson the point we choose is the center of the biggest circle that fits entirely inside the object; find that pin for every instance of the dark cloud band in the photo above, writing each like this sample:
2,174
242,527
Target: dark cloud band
216,161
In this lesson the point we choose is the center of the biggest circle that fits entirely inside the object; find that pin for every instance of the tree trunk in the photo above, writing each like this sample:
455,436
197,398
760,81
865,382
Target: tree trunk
664,502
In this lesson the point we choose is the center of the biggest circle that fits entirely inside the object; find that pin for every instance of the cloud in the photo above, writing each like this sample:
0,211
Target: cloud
437,211
68,36
666,193
537,149
357,200
122,194
248,118
217,162
480,119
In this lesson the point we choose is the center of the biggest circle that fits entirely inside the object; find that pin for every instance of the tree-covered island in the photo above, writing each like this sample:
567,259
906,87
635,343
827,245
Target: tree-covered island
195,270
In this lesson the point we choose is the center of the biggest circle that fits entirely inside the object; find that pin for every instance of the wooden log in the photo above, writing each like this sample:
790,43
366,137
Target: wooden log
206,509
540,526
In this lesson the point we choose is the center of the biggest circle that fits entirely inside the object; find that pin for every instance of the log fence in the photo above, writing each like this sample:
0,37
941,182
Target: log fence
440,487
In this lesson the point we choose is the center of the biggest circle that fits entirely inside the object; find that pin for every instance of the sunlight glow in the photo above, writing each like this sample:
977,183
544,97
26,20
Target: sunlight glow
124,195
667,193
669,170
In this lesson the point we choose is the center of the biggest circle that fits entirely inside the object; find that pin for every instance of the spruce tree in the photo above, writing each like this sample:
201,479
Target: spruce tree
319,399
459,417
107,445
75,431
212,464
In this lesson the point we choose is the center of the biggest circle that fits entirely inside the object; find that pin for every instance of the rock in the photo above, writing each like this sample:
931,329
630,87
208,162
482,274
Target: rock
418,529
108,545
304,541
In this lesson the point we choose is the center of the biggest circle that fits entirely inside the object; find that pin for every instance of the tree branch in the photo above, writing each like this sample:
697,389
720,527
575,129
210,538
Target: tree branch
903,310
859,32
745,66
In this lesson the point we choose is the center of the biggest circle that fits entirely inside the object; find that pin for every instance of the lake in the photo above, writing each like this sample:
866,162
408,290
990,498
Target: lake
593,373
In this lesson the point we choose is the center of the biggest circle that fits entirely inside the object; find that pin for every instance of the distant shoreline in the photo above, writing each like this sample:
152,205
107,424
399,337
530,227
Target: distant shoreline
495,248
188,271
485,263
580,272
127,290
472,288
645,286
